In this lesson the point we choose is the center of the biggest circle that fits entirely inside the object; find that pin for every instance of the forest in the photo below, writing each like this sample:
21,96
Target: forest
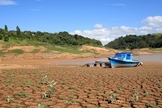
61,38
134,41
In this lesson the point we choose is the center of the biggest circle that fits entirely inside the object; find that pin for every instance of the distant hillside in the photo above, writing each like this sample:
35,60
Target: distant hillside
61,38
134,41
51,52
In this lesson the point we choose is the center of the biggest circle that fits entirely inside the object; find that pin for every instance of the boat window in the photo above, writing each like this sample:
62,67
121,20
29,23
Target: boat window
119,56
128,57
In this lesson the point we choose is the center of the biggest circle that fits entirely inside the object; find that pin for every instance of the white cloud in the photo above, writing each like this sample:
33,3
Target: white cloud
106,35
98,26
159,30
153,21
123,30
7,2
104,40
145,28
153,24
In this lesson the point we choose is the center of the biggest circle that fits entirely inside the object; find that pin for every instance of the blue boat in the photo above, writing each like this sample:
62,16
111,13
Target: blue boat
123,59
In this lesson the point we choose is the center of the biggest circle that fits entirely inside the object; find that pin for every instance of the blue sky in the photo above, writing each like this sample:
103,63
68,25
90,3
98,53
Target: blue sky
103,20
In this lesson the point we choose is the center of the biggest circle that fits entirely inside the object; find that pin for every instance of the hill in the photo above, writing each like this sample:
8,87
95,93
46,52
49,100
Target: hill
42,52
14,56
134,42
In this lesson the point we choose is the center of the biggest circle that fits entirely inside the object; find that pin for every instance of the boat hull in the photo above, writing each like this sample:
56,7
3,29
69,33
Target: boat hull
114,63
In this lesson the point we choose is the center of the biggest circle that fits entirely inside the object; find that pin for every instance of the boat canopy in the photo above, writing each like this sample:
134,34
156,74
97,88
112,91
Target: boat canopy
123,56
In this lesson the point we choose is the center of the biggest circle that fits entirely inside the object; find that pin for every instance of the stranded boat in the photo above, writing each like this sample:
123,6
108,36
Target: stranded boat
123,59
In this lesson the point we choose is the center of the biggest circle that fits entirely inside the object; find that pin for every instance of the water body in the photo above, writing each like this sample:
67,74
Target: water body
156,57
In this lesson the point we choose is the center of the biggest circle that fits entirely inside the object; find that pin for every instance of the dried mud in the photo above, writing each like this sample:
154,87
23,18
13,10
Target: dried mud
82,87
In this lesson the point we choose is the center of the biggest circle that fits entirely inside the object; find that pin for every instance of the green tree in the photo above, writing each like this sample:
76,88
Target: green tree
6,28
18,31
1,36
12,34
6,38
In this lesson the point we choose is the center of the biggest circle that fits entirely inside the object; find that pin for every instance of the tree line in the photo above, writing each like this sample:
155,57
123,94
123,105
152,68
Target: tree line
61,38
134,41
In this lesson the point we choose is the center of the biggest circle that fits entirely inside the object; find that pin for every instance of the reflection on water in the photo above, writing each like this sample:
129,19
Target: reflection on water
157,57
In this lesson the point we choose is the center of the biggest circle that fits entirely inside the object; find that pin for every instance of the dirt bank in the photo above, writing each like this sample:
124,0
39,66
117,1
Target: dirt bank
41,56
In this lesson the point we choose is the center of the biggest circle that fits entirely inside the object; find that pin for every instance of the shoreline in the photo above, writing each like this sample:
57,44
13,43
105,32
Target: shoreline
80,61
36,64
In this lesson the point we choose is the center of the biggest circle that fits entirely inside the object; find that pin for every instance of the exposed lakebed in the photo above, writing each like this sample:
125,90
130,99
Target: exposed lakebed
81,87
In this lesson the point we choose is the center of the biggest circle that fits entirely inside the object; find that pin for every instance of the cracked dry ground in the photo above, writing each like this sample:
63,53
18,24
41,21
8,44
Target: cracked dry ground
82,87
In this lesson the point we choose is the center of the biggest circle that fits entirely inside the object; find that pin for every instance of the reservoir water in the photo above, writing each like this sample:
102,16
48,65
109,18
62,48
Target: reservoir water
156,57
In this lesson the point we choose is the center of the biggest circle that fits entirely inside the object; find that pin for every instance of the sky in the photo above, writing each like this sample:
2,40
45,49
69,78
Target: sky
104,20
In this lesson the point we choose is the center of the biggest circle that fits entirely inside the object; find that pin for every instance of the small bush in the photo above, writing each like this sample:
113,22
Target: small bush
6,38
22,94
17,51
